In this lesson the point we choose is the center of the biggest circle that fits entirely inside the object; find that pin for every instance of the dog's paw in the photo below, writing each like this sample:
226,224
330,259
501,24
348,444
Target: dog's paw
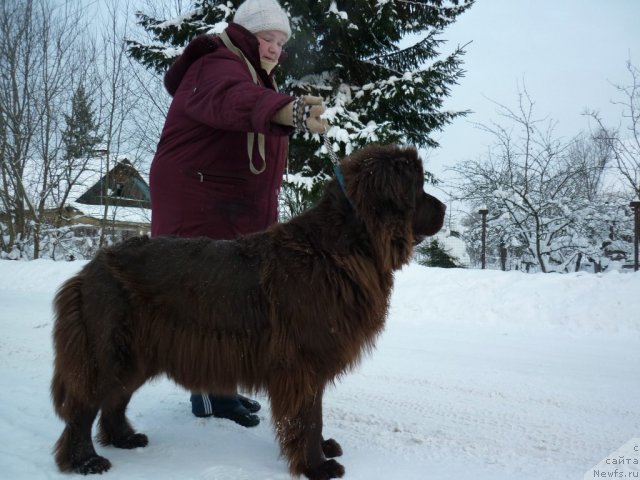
132,441
93,464
331,448
325,471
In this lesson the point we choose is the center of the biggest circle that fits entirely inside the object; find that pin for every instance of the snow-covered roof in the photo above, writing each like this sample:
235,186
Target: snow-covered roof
91,175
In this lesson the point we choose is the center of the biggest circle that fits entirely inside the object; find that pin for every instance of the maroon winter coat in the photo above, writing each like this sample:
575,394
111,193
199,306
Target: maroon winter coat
200,180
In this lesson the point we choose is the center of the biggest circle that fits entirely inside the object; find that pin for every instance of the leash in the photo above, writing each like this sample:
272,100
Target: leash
336,164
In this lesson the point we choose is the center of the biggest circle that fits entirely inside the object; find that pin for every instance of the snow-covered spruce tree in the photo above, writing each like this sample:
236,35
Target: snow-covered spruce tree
349,53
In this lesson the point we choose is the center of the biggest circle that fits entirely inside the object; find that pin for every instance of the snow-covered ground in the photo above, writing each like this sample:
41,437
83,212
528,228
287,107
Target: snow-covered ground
479,375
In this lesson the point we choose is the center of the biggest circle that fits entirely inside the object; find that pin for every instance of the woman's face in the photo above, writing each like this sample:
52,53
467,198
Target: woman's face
271,43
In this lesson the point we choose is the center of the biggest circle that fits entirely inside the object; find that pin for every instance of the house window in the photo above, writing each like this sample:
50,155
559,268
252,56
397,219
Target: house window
119,189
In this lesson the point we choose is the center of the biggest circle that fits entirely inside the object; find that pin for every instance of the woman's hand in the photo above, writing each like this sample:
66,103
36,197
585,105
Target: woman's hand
313,122
304,114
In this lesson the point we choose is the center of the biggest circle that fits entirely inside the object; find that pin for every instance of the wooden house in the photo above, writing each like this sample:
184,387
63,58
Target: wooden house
118,200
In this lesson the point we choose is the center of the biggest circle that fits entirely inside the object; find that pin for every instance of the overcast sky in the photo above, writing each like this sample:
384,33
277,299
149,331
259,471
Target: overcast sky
568,53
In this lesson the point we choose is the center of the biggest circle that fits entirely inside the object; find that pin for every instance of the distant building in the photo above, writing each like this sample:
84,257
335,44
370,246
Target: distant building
122,191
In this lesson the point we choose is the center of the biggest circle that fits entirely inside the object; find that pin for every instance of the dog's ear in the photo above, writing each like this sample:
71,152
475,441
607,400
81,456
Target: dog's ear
381,184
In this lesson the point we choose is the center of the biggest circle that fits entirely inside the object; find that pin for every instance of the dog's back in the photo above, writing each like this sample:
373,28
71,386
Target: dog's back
118,320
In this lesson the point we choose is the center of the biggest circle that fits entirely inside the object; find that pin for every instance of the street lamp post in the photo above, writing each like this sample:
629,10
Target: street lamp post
635,205
483,252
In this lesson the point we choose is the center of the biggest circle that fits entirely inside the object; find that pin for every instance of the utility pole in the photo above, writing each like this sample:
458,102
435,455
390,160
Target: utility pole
483,255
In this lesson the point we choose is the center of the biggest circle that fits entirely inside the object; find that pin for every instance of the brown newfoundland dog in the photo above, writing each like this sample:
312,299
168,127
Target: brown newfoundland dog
285,311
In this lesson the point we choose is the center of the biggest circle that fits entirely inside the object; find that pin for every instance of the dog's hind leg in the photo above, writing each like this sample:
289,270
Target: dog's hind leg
114,427
73,387
74,450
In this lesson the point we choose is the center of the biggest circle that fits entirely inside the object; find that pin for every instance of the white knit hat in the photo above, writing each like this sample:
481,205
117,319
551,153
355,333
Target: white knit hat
261,15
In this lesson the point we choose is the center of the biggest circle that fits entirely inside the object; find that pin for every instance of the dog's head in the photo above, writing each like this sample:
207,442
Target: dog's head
385,185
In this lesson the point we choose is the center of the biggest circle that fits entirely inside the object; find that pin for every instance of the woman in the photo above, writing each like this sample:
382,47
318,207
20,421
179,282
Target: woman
220,160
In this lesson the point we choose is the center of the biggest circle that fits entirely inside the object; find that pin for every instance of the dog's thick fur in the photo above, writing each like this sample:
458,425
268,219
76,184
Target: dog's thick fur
285,311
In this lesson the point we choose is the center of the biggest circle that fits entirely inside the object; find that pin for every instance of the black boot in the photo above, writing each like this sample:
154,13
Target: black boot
251,405
229,407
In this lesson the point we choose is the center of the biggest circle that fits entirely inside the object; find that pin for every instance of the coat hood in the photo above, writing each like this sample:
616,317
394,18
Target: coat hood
205,44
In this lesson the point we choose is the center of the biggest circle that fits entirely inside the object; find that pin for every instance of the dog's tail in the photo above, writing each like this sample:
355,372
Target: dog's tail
74,365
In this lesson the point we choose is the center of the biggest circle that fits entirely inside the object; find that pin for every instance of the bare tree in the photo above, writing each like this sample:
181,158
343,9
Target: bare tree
40,57
112,85
538,188
590,155
47,52
624,140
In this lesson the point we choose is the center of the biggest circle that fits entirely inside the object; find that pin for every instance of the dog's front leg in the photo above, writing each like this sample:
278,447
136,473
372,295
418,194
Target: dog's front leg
319,449
300,433
330,448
